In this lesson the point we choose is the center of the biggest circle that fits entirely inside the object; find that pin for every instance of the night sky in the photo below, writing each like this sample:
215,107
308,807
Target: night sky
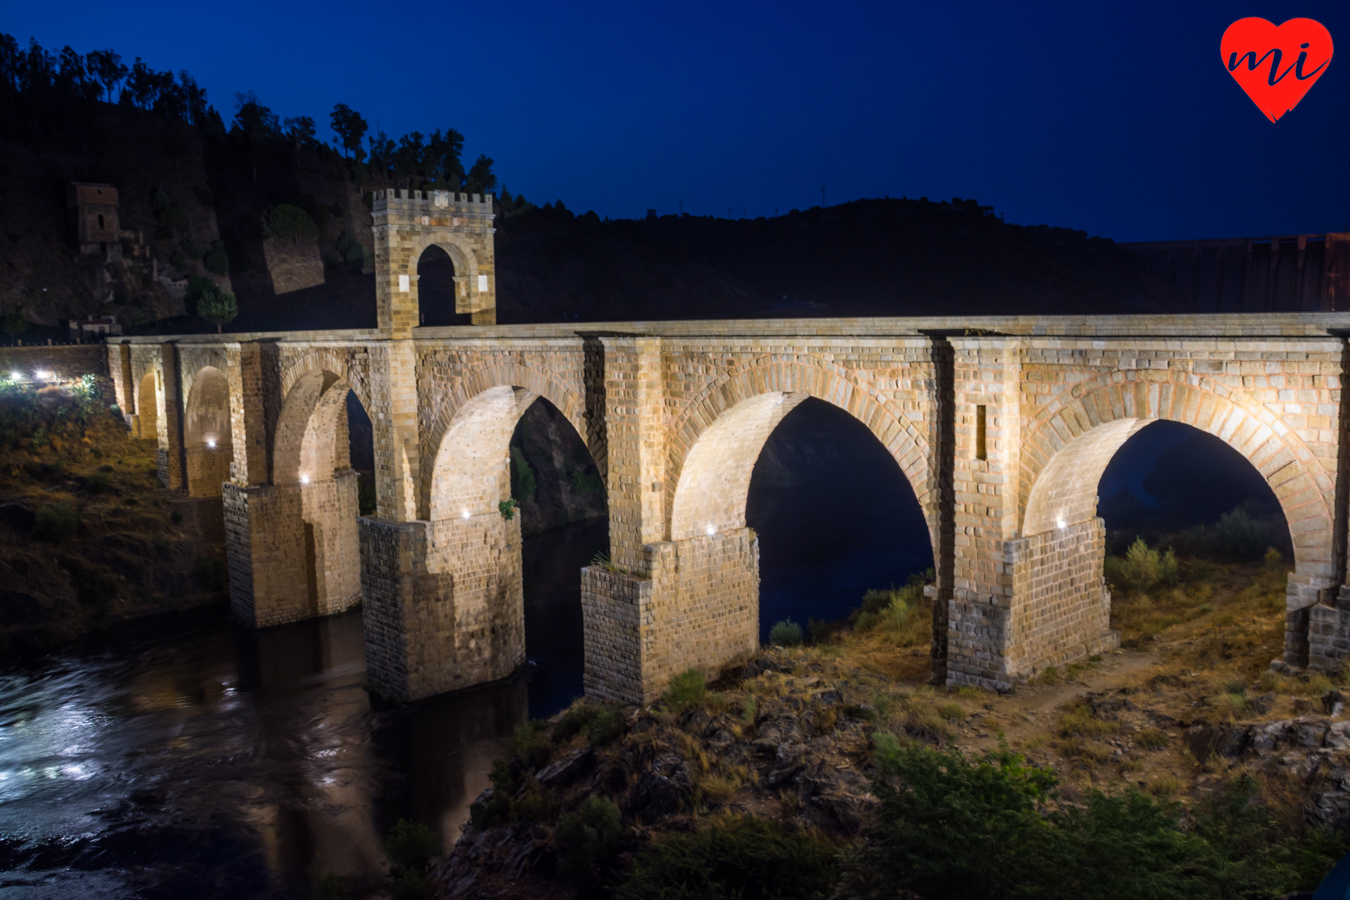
1117,119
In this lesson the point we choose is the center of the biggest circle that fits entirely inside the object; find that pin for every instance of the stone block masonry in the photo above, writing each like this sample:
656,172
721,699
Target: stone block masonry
293,550
444,607
1002,425
698,610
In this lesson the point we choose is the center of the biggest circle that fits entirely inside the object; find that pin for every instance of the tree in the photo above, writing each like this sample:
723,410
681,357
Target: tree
301,131
350,129
253,119
217,306
480,179
106,66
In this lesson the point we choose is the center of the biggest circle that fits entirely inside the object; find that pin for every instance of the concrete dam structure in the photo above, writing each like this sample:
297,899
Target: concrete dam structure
1002,426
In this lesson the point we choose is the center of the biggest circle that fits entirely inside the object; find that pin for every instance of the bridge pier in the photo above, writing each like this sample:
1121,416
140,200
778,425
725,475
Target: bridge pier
444,607
698,609
292,549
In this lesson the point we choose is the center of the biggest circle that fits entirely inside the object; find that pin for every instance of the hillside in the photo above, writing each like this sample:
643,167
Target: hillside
197,200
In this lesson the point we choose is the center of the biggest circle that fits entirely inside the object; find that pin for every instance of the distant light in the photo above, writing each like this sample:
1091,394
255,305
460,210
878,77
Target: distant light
466,513
304,479
42,375
712,530
211,442
16,376
1060,523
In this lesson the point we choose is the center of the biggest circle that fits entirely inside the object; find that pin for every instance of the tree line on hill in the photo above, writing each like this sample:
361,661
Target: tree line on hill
40,83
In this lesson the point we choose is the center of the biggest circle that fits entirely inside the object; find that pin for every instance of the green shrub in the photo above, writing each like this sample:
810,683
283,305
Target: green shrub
685,690
735,859
786,633
587,842
599,724
217,260
523,481
365,498
96,482
411,845
1238,536
286,220
57,523
211,301
952,826
1142,569
531,745
507,508
584,482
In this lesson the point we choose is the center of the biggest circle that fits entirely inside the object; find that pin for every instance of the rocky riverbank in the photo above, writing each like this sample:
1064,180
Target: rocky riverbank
1186,718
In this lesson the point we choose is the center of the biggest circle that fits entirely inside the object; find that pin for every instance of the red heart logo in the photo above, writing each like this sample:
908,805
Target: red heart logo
1276,65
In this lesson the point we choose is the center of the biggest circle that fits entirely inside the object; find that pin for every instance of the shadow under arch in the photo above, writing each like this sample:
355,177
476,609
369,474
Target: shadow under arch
835,518
1063,460
208,447
710,499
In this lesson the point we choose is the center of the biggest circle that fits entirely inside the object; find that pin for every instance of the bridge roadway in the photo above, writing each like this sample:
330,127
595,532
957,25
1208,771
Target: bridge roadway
1002,425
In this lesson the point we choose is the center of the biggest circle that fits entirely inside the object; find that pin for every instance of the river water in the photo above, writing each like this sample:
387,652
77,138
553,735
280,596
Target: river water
186,757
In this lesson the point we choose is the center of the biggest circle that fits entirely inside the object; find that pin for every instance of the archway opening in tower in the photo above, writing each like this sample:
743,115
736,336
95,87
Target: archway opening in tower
837,519
437,289
564,524
1195,537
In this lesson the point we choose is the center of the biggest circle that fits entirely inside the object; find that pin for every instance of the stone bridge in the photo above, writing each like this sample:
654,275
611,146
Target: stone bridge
1002,426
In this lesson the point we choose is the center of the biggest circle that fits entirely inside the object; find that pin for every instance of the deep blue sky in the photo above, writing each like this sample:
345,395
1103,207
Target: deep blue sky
1117,119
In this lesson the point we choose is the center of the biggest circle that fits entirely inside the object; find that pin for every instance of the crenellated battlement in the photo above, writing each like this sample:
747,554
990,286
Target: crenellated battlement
416,203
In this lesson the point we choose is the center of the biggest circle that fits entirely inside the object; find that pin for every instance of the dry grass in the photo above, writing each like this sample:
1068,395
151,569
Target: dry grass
1164,786
1079,721
1152,739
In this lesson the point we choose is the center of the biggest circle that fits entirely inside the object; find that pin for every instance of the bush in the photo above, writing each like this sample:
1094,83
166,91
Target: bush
585,482
411,845
588,841
1142,568
685,690
957,827
599,724
286,220
531,745
214,304
523,481
735,859
57,523
217,260
786,633
365,498
96,482
1239,536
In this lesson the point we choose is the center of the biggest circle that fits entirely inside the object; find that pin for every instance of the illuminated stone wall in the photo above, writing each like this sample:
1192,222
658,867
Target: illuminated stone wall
1002,426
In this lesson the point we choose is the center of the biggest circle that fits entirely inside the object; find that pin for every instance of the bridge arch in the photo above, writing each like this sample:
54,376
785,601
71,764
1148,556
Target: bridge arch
1067,451
207,441
713,449
310,444
473,390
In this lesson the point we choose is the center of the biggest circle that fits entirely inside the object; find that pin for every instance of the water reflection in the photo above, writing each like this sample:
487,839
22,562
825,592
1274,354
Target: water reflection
224,763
